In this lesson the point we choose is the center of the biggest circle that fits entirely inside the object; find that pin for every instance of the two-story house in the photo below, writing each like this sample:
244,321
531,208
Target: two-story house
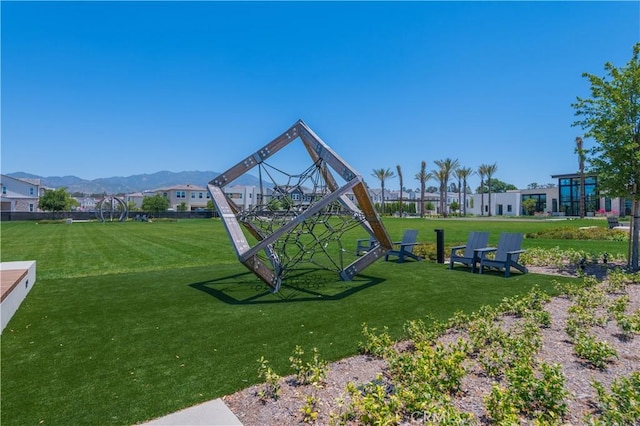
20,195
193,196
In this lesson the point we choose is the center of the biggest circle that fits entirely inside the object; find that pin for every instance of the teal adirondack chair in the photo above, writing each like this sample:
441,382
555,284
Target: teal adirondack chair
404,248
506,254
467,254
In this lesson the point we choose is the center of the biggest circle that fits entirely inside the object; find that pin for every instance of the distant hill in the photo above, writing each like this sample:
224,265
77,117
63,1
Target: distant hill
134,183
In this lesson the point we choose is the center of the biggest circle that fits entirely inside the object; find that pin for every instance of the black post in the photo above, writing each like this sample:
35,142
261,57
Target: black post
439,245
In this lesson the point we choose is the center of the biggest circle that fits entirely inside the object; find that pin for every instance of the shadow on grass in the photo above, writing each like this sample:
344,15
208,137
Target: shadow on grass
304,286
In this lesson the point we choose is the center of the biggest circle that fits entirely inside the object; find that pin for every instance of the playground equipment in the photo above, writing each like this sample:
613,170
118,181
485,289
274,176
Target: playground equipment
111,207
299,218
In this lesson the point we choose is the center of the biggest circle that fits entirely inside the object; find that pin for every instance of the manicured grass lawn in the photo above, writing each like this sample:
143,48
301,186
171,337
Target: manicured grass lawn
131,321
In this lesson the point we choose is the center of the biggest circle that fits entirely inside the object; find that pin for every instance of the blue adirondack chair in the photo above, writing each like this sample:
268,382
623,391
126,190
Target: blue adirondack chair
404,248
364,245
506,254
469,256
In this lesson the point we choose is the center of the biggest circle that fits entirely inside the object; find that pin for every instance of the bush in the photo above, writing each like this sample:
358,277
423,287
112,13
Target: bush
591,233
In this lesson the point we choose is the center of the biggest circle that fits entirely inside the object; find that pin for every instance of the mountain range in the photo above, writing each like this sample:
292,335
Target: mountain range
129,184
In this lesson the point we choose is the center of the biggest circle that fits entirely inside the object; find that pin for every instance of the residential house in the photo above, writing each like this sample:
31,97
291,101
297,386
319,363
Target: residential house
20,195
193,196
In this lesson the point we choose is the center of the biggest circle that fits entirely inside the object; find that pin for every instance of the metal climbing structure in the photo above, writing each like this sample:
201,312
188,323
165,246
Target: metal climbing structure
300,218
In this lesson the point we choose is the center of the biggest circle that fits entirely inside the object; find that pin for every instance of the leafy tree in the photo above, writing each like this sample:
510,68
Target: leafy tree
399,169
529,206
454,206
131,206
447,166
611,116
210,205
499,186
155,204
182,207
423,176
383,175
56,200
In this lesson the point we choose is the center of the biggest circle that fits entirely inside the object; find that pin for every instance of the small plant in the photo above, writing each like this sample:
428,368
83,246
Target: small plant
528,394
271,389
312,372
621,406
371,404
597,353
310,409
375,344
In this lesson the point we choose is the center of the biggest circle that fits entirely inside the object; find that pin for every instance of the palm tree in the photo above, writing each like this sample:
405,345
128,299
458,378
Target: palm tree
580,153
400,177
482,172
423,177
463,173
382,175
440,176
491,170
447,166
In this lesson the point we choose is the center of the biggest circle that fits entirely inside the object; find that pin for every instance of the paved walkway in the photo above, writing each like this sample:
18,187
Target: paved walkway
213,413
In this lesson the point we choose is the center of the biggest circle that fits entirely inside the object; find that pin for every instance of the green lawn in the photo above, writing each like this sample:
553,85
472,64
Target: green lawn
131,321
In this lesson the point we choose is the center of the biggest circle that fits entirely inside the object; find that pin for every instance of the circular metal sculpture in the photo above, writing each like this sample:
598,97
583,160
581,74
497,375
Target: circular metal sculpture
111,207
299,218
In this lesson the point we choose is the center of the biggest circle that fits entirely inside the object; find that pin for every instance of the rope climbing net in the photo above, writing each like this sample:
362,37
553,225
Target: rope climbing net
299,219
316,239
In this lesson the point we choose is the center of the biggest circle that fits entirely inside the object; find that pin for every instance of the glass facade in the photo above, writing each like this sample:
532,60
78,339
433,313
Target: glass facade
569,189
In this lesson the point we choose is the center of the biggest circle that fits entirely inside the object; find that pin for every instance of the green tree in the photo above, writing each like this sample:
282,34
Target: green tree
382,175
155,204
611,116
454,206
447,166
182,207
56,200
529,206
499,186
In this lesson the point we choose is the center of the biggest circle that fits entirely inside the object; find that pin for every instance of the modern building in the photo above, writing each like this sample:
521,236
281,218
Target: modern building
595,202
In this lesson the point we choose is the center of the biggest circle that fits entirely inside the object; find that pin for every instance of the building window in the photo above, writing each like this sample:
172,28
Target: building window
31,207
509,208
200,195
4,190
569,189
181,194
193,195
31,191
541,201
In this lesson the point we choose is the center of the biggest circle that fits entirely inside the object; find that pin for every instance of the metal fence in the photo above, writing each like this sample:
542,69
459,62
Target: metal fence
6,216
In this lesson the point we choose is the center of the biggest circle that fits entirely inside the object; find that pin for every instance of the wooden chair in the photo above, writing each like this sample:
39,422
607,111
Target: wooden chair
506,254
363,245
405,247
469,257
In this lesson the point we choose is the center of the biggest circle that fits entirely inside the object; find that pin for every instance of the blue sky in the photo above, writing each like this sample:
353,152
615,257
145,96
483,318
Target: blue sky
101,89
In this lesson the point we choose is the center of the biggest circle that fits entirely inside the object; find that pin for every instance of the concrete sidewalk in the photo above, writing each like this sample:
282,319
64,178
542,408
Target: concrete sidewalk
214,413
